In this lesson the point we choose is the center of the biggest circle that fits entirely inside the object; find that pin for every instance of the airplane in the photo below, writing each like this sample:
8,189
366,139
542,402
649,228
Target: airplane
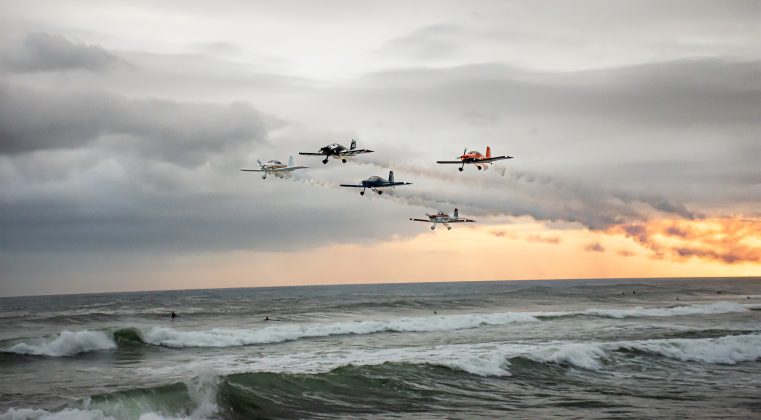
444,219
275,167
375,183
337,151
475,158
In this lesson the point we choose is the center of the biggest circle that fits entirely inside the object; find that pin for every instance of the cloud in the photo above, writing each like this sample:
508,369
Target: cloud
594,247
427,43
179,132
45,52
543,239
626,253
730,240
519,193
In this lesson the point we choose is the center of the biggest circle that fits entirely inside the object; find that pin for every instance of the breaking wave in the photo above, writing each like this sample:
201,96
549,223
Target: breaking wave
69,343
697,309
276,334
323,382
723,350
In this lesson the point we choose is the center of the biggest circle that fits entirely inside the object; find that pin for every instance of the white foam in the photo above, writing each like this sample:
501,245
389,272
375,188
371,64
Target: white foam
583,355
731,350
723,350
67,414
279,333
697,309
67,343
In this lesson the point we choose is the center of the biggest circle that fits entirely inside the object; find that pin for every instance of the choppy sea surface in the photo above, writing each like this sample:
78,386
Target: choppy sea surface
670,348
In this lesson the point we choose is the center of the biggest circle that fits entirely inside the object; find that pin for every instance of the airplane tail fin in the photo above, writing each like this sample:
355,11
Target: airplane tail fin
488,152
290,161
456,213
353,144
390,176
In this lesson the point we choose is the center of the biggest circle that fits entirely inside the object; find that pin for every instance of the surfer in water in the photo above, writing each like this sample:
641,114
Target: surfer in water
174,315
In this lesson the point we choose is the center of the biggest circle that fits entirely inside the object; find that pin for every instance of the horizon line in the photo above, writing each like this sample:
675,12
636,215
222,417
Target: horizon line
386,284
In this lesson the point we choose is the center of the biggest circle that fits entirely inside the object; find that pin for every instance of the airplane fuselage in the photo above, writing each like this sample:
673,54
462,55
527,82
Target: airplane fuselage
475,158
439,218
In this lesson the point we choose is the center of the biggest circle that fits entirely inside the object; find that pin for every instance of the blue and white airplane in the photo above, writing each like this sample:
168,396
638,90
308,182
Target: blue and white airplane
275,167
377,184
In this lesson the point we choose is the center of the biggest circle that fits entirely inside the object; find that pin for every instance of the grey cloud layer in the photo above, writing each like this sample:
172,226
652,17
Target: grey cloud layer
45,52
182,133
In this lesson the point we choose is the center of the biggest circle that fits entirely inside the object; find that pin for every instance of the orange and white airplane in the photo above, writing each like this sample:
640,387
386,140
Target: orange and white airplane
475,158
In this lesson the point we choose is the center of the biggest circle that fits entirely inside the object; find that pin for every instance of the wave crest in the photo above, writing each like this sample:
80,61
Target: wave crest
67,343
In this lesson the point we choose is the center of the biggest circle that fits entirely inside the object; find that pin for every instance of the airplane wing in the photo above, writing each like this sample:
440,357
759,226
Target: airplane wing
354,152
352,186
459,162
394,184
494,159
312,154
420,220
289,169
460,220
252,170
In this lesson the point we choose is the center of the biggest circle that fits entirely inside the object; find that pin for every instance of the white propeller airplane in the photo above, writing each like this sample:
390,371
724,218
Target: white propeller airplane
275,167
337,151
444,219
475,158
376,184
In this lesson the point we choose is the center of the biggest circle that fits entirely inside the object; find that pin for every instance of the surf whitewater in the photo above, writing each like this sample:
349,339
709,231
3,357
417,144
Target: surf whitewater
390,375
69,343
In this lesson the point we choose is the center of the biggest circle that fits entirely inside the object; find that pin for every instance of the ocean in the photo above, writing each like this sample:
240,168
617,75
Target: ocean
661,348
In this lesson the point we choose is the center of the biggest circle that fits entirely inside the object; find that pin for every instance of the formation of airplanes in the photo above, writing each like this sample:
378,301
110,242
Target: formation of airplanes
376,183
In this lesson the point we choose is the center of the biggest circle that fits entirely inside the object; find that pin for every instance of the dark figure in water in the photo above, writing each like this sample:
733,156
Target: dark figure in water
677,298
174,315
434,312
266,318
634,292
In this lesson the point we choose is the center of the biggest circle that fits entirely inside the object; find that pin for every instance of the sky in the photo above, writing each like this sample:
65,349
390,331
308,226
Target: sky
635,127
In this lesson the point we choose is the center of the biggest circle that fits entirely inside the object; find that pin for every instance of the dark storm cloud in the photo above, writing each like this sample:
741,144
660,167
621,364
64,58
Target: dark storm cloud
183,133
41,51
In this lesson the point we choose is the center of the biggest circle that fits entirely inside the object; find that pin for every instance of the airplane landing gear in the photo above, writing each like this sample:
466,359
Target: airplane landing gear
380,192
479,168
325,161
460,169
433,227
361,193
449,227
343,160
